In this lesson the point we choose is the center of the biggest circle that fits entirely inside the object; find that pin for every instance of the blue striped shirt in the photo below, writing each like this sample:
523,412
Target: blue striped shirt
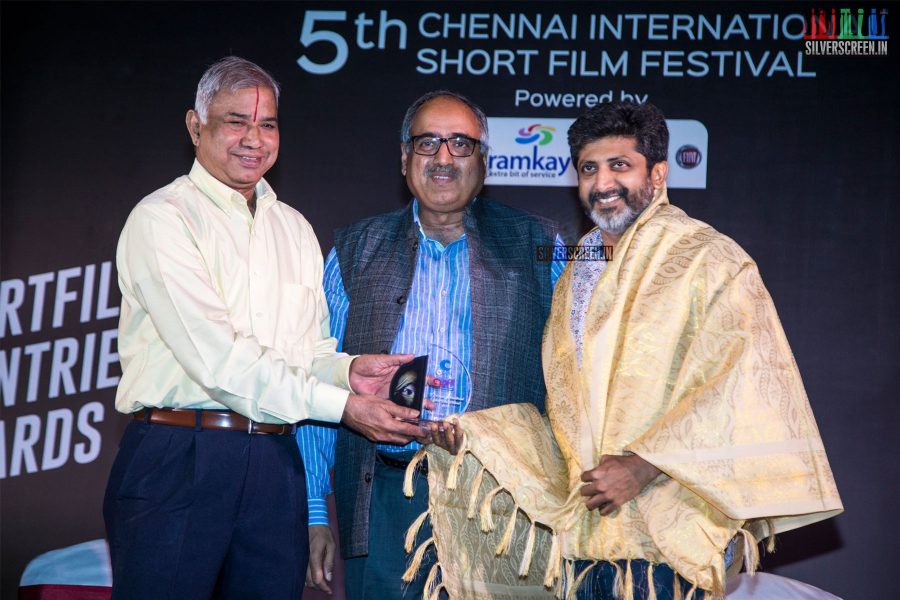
438,311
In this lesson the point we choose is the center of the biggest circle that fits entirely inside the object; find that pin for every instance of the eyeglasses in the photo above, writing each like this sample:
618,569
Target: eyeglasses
429,145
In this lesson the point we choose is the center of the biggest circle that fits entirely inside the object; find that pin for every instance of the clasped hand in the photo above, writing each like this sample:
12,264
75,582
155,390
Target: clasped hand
616,480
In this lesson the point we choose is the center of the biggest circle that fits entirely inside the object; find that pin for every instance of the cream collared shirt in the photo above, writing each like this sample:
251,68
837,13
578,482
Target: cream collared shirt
221,309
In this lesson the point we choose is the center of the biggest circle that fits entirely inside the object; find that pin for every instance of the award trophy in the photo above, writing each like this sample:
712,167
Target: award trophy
408,384
450,384
440,377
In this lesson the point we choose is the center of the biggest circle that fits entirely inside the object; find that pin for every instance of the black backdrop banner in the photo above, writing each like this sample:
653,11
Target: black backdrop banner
784,142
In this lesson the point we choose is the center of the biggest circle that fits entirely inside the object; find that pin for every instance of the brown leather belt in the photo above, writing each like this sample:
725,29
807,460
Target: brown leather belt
210,419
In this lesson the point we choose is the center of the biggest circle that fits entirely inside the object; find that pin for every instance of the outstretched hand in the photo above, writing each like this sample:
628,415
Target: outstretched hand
447,434
370,374
616,480
379,420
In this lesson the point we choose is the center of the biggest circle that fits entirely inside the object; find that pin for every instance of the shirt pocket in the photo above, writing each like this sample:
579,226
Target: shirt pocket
299,324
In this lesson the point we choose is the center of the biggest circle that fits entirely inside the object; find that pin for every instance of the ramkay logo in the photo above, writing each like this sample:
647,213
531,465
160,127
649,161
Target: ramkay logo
535,152
527,153
542,134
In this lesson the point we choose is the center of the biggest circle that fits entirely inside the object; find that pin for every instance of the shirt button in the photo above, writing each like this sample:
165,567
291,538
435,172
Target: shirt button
259,315
443,292
368,477
443,329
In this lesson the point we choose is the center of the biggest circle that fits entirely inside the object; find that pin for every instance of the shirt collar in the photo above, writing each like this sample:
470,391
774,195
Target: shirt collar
415,209
422,234
225,197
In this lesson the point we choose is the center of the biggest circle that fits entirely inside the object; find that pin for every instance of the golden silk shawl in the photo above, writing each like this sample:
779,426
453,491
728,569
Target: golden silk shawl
685,364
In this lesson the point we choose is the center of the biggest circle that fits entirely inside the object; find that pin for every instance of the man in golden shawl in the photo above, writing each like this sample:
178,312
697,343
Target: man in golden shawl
677,433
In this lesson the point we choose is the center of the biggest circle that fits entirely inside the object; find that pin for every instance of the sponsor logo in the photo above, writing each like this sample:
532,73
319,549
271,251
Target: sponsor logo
534,151
528,153
542,134
688,156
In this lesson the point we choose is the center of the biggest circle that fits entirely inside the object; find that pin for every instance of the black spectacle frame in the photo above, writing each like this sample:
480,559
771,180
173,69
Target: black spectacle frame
466,148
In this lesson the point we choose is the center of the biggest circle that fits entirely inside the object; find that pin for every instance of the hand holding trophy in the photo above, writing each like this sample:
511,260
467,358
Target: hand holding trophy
450,385
438,385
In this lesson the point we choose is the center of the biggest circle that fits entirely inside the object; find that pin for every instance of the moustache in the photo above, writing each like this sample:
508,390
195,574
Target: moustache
441,170
598,196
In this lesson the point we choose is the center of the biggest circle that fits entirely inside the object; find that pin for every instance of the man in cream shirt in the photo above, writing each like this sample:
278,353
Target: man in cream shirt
224,345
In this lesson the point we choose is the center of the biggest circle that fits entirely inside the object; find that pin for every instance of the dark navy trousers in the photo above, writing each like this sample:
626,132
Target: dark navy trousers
599,584
206,514
377,576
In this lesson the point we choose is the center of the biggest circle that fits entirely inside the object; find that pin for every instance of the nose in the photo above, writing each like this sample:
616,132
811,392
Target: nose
604,180
250,138
443,156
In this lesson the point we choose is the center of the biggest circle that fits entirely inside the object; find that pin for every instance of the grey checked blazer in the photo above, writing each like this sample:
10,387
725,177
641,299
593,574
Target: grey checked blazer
511,294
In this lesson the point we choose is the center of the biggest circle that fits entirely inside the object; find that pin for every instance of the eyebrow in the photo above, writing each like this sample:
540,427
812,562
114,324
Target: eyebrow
452,135
591,161
247,116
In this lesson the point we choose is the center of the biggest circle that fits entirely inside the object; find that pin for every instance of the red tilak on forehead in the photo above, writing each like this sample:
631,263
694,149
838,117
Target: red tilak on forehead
256,108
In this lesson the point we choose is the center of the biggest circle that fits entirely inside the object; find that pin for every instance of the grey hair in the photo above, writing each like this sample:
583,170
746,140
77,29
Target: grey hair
413,110
231,73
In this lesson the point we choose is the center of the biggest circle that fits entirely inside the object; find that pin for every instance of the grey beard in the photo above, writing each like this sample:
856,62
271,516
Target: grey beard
634,205
616,223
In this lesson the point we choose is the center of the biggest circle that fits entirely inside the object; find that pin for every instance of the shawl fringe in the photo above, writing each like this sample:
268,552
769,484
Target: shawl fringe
690,595
431,581
618,581
751,551
568,577
651,587
770,539
453,473
528,553
413,531
554,565
408,490
574,585
629,581
559,570
473,497
416,562
486,513
436,594
503,546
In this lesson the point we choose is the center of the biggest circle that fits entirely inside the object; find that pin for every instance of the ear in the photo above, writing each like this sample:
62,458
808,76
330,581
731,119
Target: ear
403,156
658,174
192,121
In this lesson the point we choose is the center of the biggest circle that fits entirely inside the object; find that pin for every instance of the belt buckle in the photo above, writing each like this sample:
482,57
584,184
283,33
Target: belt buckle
250,424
